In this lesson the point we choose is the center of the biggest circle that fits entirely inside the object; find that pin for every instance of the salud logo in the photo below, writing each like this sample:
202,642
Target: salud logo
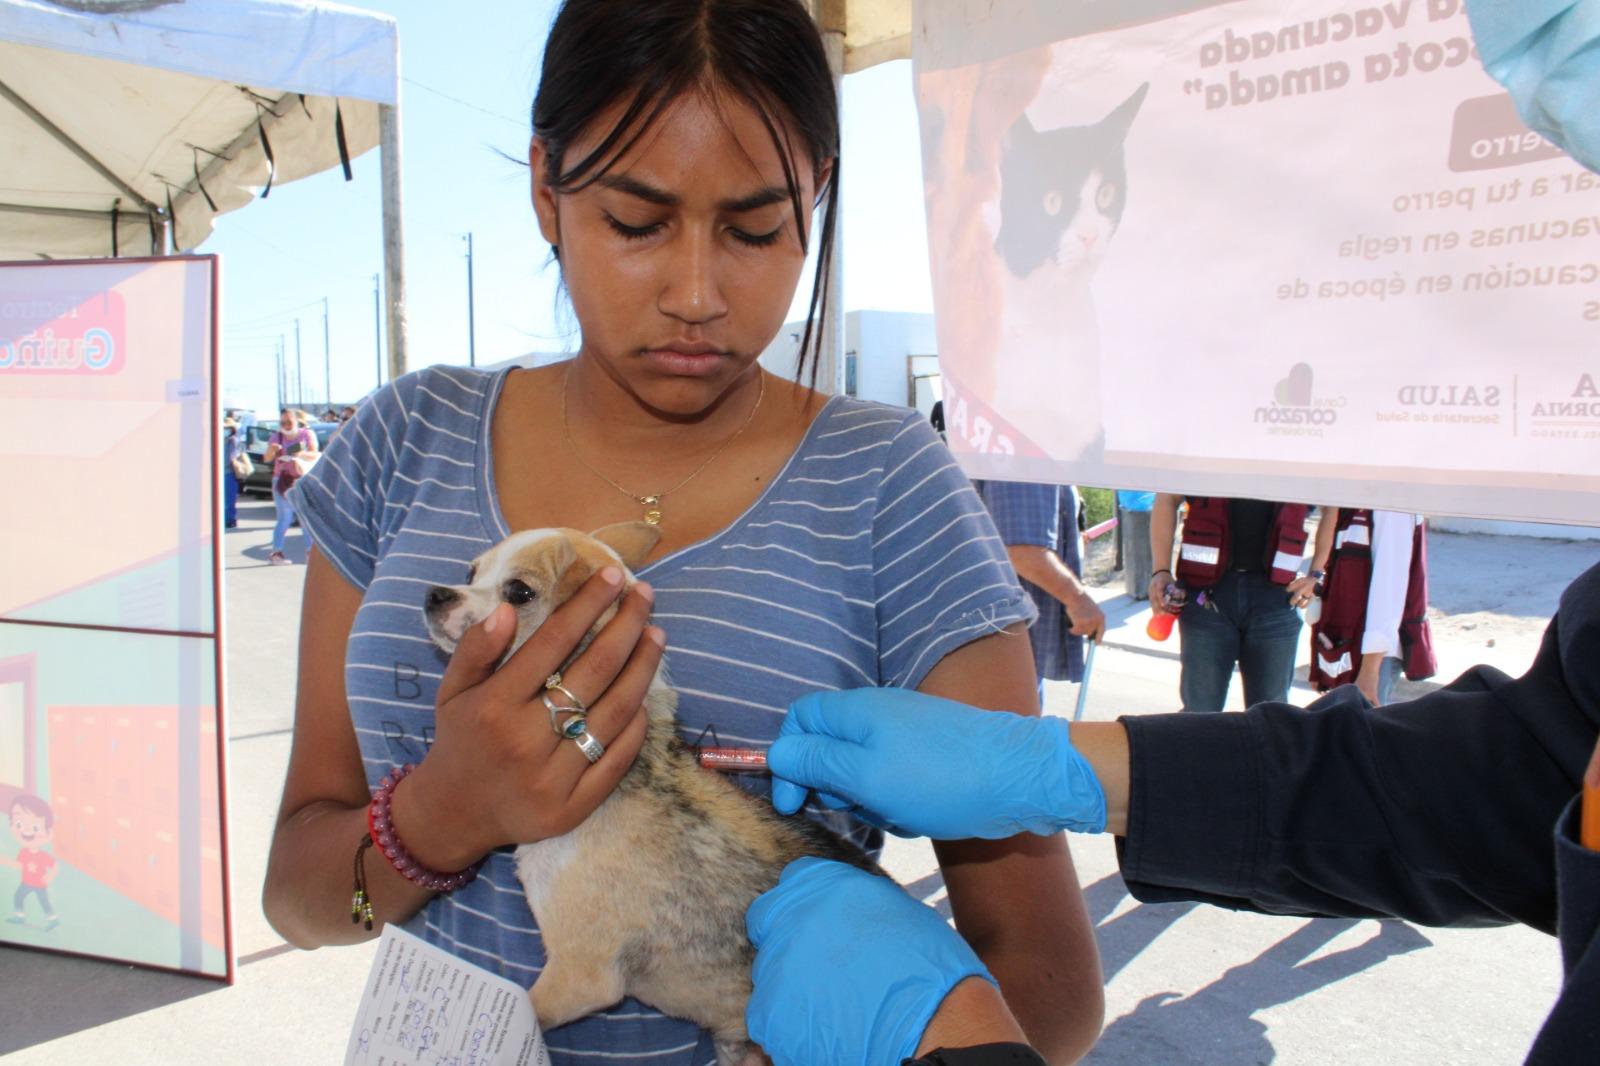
1461,403
1295,410
1454,395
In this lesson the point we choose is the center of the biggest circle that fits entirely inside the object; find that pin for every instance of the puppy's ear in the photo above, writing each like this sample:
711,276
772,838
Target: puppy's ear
559,557
630,540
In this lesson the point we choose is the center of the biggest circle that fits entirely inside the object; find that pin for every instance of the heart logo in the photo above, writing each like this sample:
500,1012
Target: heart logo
1295,390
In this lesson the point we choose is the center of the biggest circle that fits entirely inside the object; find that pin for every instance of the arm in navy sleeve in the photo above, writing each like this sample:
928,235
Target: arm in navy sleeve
1438,810
1572,1031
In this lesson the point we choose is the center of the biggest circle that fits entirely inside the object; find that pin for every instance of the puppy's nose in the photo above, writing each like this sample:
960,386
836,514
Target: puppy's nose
439,597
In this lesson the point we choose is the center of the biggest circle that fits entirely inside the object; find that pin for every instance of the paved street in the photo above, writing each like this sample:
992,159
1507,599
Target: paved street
1185,984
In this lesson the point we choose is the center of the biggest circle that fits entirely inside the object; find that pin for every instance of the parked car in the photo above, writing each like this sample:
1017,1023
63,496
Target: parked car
260,479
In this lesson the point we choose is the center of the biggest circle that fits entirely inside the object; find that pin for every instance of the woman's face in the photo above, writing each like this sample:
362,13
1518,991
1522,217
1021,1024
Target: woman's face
682,261
286,420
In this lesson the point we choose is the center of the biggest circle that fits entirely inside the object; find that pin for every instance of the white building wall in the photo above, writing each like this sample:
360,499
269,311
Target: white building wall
881,342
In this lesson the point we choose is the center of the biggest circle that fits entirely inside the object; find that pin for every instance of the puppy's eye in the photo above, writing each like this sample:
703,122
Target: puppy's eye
517,593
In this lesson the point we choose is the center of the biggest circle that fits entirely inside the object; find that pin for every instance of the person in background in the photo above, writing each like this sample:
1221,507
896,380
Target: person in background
290,445
1372,624
1133,541
1239,563
1039,526
232,448
346,415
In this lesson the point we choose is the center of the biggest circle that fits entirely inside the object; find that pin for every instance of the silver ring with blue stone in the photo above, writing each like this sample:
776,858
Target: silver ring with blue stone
564,729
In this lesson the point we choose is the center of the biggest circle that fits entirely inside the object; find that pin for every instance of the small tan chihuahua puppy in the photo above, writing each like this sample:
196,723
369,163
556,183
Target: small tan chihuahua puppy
647,897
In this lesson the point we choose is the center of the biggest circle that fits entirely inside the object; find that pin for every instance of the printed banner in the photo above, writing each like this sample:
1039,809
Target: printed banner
1304,252
111,738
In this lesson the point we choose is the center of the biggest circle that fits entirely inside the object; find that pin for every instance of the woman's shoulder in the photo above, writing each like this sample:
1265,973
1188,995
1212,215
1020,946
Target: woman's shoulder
860,448
863,422
447,400
463,390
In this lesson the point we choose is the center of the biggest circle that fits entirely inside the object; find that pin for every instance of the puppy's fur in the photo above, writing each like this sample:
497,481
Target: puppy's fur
647,897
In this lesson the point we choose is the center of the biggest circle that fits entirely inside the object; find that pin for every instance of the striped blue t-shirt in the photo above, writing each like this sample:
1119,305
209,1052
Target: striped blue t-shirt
864,562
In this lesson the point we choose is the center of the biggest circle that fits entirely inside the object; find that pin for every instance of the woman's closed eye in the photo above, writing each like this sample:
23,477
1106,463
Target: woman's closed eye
633,233
639,233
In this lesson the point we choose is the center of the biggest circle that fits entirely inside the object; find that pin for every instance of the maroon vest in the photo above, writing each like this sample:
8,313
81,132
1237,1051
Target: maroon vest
1206,552
1336,636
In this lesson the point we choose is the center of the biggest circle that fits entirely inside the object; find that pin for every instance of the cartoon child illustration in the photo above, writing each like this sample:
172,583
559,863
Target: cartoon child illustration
32,822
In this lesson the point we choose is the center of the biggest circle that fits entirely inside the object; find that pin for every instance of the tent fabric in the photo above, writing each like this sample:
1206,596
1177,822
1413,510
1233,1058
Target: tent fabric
172,98
317,49
876,31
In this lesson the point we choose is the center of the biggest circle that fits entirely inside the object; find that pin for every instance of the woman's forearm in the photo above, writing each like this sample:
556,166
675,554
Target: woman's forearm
1105,745
1163,529
1017,902
311,878
973,1013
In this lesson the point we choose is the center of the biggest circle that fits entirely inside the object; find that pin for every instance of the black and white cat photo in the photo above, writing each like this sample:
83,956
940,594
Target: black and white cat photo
1062,194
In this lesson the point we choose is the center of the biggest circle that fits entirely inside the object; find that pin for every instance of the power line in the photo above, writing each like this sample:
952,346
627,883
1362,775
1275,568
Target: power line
517,122
287,312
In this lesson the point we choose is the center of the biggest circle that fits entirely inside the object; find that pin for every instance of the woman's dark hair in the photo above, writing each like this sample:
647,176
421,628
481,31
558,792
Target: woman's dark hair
648,53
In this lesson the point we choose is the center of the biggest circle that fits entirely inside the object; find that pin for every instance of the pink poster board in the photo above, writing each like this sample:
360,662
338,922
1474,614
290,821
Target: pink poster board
113,837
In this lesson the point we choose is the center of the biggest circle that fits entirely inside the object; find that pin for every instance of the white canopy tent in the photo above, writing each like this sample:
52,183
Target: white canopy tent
129,125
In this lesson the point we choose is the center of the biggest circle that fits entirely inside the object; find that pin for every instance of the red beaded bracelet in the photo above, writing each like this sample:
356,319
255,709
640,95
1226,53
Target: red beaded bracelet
380,827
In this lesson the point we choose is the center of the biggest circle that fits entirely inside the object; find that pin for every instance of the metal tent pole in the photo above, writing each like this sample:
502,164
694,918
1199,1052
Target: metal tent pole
377,325
394,273
472,330
830,16
327,359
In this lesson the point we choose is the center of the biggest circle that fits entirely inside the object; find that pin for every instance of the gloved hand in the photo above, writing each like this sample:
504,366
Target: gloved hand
1547,55
848,969
925,766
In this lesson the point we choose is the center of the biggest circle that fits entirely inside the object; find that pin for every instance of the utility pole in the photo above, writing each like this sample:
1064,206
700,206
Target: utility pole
377,326
277,356
327,359
299,375
472,333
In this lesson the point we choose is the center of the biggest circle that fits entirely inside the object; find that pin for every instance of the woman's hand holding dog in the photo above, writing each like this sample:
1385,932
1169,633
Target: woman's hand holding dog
496,772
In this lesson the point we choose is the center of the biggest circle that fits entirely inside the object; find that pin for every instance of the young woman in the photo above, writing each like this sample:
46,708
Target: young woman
807,542
292,442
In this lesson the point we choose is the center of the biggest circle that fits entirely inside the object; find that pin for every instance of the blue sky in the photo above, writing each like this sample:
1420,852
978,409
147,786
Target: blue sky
469,73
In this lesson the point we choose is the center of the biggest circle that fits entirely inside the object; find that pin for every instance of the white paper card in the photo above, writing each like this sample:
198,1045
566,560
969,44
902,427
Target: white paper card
425,1007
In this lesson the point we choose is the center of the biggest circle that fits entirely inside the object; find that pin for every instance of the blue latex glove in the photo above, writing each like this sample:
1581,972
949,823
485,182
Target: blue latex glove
1547,55
848,969
925,766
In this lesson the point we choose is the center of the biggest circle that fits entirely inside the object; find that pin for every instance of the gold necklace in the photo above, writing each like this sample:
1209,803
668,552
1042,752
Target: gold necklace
651,502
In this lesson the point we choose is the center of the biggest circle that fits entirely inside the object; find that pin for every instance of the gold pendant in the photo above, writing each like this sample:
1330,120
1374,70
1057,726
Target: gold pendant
651,505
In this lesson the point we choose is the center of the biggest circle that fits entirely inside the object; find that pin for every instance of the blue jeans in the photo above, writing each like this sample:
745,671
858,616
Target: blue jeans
1248,620
285,517
230,499
1388,675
